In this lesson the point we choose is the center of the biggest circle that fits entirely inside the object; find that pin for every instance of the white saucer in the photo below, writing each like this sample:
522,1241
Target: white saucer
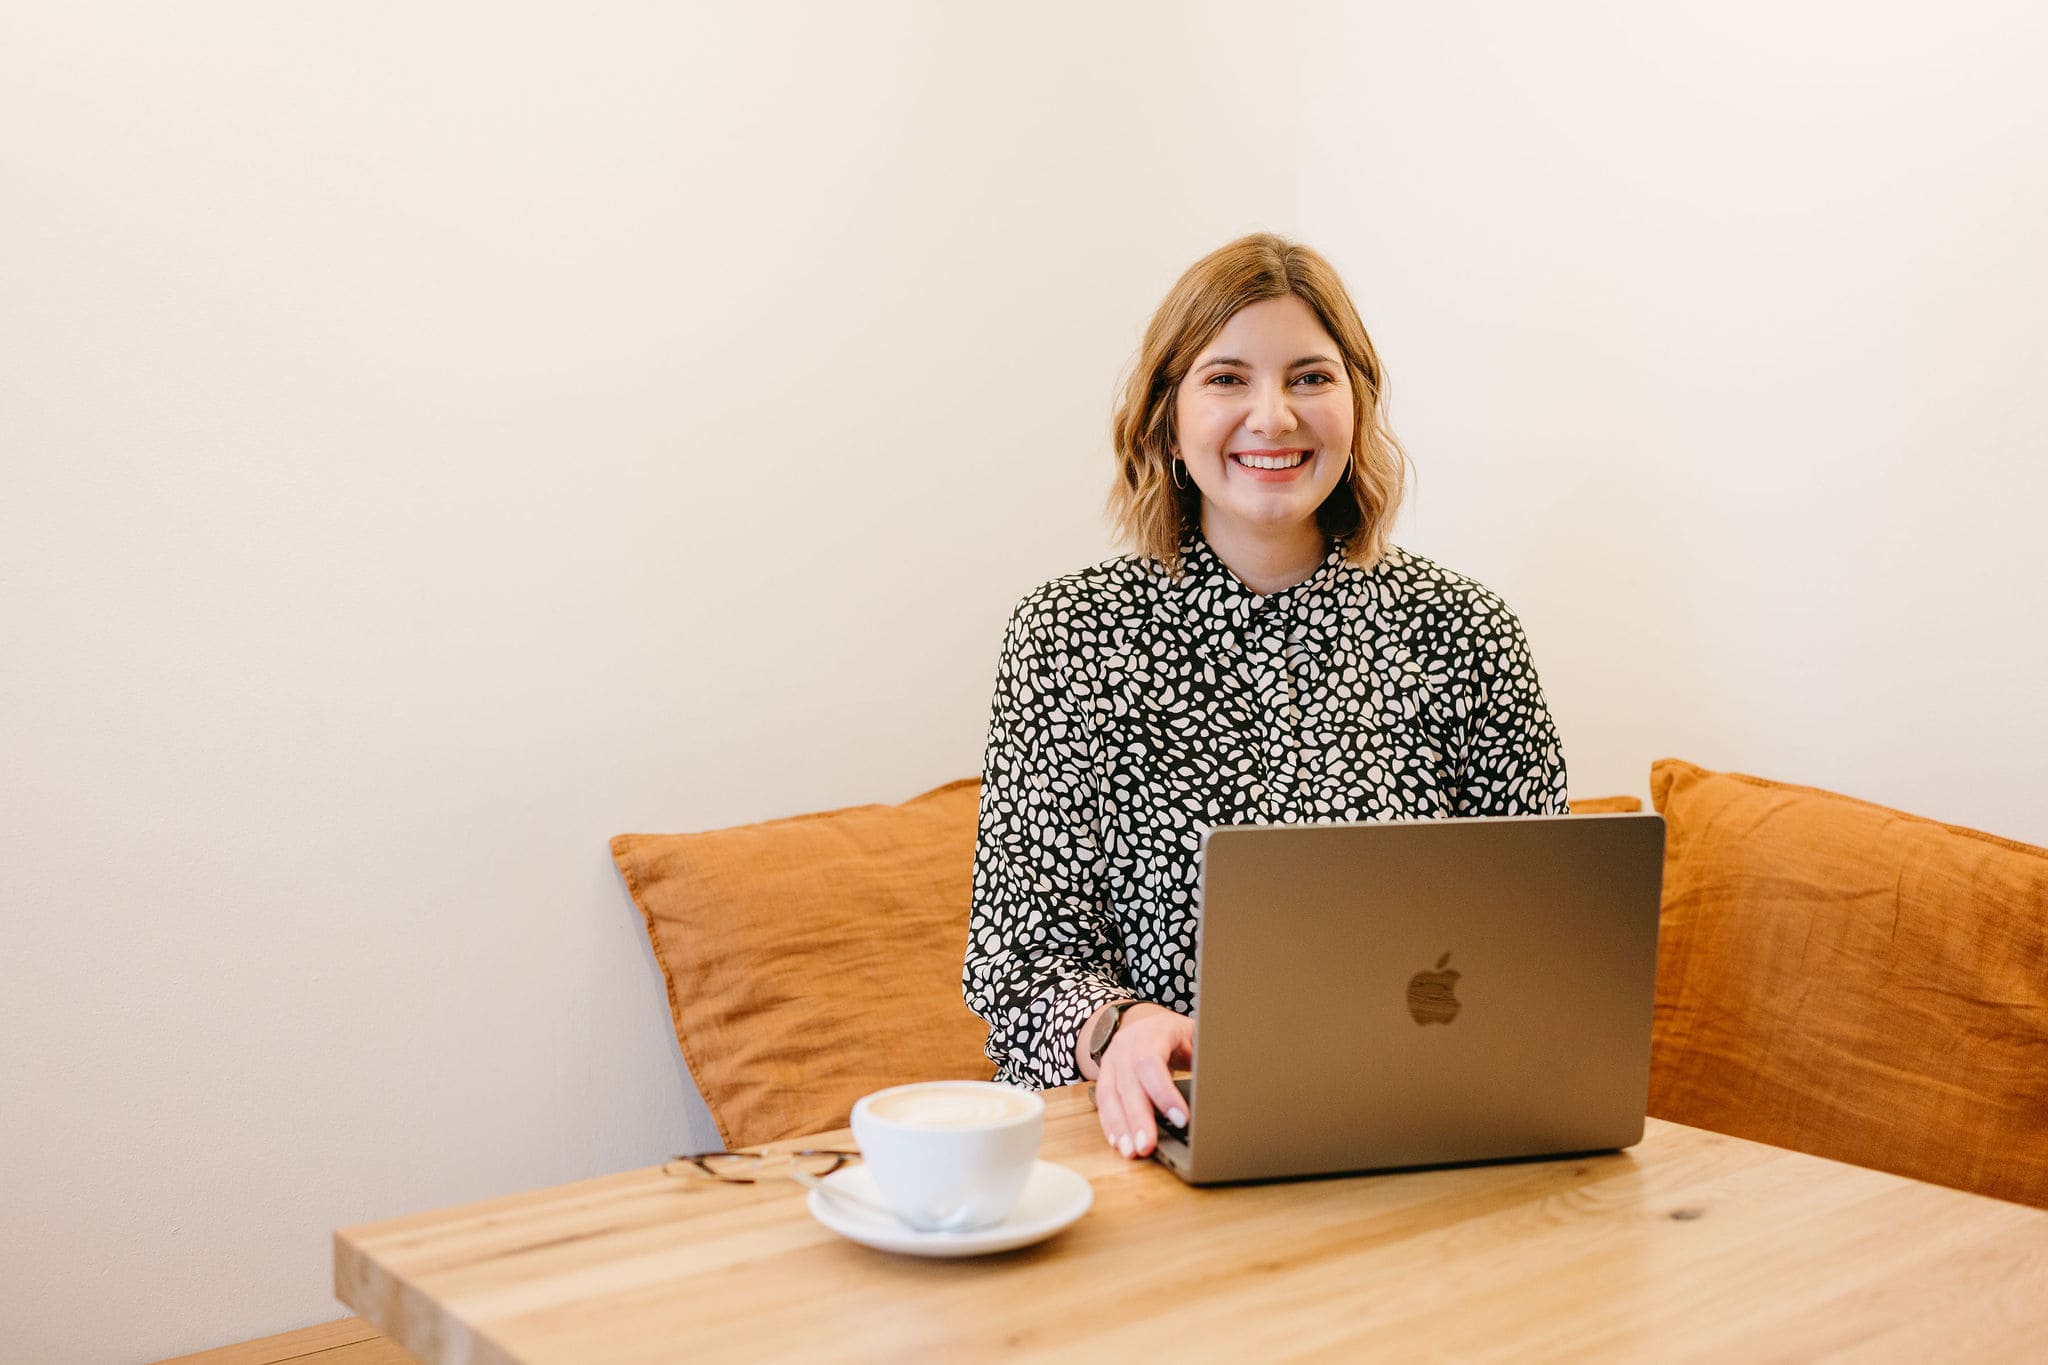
1053,1197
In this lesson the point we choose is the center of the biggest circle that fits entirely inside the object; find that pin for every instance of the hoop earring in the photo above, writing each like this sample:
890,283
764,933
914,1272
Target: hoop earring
1175,466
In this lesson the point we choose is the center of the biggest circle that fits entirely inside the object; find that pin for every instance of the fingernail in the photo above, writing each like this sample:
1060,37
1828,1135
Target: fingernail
1123,1144
1176,1118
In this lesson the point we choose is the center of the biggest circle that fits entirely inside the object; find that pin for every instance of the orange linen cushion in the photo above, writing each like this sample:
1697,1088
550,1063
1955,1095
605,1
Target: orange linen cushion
1853,982
1607,805
813,959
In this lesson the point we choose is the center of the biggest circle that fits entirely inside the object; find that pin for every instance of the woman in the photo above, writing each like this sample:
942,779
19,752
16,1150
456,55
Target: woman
1266,657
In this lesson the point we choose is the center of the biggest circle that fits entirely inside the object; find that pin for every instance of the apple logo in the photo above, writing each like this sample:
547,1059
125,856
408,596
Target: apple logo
1432,996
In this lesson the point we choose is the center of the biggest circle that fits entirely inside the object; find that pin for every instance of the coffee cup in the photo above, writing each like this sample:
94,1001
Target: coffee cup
949,1156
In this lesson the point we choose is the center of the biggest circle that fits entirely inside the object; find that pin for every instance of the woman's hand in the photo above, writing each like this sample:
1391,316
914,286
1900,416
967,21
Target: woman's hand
1136,1078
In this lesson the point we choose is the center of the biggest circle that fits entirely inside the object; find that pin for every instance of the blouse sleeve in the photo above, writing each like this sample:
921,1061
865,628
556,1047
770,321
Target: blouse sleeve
1042,955
1514,764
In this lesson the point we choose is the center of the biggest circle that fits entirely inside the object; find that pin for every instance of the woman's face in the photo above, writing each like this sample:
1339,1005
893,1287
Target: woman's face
1264,422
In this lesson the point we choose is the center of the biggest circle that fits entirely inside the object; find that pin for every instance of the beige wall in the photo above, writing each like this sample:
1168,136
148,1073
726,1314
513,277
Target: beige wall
439,437
1716,332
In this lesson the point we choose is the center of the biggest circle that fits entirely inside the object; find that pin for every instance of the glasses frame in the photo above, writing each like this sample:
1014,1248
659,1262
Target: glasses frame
696,1161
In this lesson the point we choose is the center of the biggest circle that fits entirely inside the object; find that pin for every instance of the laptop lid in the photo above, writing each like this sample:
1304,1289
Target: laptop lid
1386,994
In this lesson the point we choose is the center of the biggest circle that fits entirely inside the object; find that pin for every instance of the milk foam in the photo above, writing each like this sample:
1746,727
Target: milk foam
940,1108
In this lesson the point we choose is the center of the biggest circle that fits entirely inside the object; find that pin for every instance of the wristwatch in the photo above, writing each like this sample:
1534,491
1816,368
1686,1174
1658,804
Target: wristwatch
1098,1042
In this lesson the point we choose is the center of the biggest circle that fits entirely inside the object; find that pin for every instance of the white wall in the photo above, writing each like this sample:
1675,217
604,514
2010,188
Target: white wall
1717,334
439,437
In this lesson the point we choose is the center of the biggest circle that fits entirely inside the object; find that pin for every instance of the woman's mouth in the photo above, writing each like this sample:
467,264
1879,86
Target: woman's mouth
1270,465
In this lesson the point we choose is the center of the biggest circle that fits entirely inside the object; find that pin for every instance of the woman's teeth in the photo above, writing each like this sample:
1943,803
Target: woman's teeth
1274,461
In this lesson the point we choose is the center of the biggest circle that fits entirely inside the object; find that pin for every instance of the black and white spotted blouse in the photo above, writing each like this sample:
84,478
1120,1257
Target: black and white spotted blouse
1134,710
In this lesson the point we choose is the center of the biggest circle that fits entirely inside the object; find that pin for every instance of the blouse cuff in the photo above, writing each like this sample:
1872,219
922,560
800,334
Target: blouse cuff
1060,1044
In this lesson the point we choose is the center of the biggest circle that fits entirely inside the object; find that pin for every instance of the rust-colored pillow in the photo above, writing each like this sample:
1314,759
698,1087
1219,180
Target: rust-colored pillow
1606,805
1853,982
813,959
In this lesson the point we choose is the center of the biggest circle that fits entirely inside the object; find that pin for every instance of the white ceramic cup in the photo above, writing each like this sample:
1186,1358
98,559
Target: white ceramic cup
949,1156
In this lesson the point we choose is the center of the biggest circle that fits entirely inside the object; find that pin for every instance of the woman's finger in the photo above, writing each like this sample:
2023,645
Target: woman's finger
1160,1091
1109,1109
1137,1108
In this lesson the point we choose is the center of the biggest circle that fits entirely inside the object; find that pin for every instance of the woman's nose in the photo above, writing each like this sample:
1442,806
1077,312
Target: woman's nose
1271,414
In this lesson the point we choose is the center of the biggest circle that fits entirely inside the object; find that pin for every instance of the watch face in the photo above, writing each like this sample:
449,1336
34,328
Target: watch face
1099,1040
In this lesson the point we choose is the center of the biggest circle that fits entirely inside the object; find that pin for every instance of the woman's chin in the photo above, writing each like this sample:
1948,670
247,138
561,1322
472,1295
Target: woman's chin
1266,523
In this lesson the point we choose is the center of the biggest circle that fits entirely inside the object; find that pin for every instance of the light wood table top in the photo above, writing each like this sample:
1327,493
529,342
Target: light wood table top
1691,1245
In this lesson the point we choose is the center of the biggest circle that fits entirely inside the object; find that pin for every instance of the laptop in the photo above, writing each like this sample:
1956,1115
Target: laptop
1380,995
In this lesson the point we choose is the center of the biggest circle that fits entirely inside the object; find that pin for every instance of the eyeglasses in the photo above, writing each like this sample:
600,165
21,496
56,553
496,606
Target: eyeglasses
745,1168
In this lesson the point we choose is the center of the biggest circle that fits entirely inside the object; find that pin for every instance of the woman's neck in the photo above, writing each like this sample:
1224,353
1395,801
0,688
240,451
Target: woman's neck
1270,564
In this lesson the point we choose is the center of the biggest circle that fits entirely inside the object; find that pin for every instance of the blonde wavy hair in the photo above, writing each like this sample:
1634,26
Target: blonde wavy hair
1155,515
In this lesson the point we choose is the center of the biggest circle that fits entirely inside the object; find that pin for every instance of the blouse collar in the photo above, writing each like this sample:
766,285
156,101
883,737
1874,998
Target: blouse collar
1209,597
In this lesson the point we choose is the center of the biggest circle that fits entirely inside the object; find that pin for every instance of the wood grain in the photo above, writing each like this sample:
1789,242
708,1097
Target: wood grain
350,1341
1690,1246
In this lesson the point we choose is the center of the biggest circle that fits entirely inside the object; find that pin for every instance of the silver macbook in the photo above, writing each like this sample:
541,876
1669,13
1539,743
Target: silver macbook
1377,995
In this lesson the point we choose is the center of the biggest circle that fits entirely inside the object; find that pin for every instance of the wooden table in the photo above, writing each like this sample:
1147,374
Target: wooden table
1689,1246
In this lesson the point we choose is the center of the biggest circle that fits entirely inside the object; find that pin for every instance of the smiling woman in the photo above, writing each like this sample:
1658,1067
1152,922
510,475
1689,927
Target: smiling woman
1266,657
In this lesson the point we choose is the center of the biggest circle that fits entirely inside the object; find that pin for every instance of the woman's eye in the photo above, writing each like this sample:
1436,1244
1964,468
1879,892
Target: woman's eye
1314,381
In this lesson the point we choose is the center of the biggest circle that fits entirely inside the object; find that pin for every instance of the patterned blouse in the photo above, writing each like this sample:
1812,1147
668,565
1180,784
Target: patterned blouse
1134,710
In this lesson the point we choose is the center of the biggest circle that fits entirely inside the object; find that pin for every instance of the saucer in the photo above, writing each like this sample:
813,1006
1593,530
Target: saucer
1053,1197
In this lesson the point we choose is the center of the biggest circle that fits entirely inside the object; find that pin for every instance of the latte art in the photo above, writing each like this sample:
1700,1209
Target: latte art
943,1107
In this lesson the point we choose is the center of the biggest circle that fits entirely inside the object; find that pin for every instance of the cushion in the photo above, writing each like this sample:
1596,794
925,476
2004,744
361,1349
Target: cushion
1852,981
1606,805
814,959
